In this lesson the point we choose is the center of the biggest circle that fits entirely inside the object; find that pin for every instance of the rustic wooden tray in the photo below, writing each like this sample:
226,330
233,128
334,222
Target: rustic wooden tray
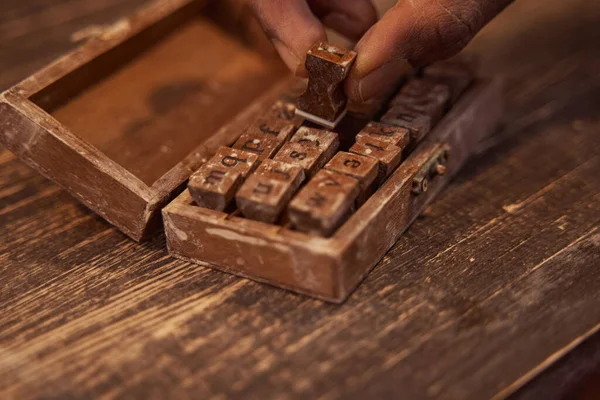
330,268
122,121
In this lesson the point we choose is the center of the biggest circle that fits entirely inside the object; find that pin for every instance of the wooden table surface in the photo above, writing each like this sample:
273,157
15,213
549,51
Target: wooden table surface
496,282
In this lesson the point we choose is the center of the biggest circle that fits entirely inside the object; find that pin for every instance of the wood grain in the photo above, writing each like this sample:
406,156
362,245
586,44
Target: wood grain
495,283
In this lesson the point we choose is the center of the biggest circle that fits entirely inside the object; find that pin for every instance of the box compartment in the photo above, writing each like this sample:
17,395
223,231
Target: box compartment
122,121
330,268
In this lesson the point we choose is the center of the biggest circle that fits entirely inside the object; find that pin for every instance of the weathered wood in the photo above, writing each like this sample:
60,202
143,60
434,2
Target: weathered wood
325,101
88,313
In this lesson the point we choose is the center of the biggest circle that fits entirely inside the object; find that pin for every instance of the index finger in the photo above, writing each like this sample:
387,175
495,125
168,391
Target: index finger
292,27
416,33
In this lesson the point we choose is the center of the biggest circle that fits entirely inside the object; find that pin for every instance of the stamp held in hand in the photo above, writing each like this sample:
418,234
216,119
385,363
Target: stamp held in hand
324,101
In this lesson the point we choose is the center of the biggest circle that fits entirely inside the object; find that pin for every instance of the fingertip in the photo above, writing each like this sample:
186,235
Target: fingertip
351,18
352,86
361,87
292,28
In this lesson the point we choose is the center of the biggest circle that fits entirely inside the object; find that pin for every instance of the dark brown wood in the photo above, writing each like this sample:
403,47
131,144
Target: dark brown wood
324,101
495,286
417,122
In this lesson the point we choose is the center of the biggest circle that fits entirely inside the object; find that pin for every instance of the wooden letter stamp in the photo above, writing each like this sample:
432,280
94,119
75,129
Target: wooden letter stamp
324,203
391,135
279,123
324,101
418,123
424,96
363,169
258,143
388,156
267,191
215,183
310,149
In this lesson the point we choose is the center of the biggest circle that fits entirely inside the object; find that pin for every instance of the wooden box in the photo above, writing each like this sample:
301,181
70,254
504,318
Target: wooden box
124,120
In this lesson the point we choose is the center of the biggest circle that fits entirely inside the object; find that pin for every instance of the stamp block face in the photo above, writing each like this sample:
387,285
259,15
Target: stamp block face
310,149
304,155
326,140
260,144
265,194
364,169
388,156
454,75
323,204
324,101
419,124
424,96
392,135
215,183
279,123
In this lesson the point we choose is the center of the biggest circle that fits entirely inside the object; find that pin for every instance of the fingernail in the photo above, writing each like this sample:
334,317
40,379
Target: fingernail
288,57
388,74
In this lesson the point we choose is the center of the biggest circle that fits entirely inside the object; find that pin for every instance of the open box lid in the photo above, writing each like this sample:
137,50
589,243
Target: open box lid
122,121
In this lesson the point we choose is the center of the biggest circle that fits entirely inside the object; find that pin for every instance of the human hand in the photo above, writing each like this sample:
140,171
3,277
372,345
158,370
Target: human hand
413,33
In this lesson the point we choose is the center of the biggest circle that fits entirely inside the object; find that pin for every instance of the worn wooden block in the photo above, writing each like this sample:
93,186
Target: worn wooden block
264,146
310,149
457,76
425,96
279,123
327,140
392,135
324,203
307,156
215,183
285,113
362,168
266,192
418,123
324,101
388,156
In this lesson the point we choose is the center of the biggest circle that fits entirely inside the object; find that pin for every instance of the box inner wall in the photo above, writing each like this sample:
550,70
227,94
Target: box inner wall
151,112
